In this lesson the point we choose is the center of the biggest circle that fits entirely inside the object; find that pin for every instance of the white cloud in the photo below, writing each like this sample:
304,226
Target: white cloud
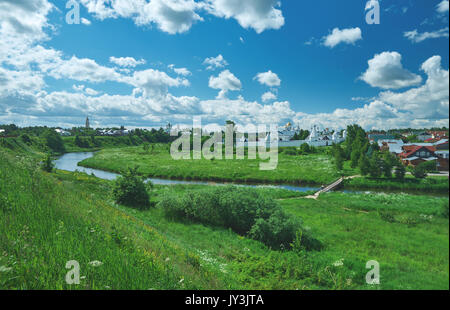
20,82
268,78
337,36
225,81
417,37
171,16
77,69
213,63
154,83
128,62
85,21
268,96
260,15
25,18
180,71
429,100
386,71
442,7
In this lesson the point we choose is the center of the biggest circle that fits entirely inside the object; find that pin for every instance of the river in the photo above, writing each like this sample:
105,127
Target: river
69,162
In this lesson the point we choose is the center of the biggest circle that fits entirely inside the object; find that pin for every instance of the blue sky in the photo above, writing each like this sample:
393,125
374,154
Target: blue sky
320,63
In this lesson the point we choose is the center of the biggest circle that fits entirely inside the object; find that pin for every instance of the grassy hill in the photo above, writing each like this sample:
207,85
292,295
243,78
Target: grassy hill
49,219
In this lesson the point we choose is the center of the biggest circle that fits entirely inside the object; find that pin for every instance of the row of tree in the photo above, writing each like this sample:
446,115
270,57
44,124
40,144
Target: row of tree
369,159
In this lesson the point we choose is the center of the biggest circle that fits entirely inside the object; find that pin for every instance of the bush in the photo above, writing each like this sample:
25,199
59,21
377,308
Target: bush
130,190
54,141
47,165
419,172
243,210
444,212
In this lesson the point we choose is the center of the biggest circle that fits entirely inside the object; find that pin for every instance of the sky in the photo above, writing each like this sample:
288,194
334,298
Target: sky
145,63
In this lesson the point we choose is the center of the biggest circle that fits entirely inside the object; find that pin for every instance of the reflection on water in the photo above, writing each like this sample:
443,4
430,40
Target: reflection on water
69,162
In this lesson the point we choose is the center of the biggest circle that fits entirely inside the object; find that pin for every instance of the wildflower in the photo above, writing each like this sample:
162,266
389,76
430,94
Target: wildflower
95,263
339,263
5,269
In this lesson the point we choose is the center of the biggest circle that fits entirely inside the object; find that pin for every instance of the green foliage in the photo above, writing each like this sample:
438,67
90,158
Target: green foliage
444,211
364,165
339,156
130,190
26,138
400,171
243,210
53,141
47,165
376,165
419,172
146,147
429,166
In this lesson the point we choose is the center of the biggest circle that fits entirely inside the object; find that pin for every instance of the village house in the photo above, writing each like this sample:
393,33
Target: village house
414,155
62,132
422,136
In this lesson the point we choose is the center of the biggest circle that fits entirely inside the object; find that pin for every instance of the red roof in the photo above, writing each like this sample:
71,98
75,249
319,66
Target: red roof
411,149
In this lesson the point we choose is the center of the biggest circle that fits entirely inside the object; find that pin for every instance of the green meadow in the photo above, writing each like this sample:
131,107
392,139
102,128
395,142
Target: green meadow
48,219
315,169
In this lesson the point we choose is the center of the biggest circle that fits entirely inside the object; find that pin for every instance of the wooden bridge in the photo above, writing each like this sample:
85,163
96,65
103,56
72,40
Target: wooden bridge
326,189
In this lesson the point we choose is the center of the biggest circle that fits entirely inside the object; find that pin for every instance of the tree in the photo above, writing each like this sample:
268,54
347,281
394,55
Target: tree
338,154
130,189
419,172
400,171
47,164
355,156
53,141
146,147
364,165
376,164
389,161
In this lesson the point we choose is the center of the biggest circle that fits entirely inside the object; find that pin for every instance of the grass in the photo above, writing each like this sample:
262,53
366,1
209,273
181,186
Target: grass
48,219
410,184
305,169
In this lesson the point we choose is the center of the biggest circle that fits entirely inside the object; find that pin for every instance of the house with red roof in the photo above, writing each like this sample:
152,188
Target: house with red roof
414,155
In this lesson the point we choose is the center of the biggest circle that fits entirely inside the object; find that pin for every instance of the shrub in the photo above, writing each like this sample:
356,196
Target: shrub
25,138
54,141
130,190
47,165
243,210
290,151
419,172
444,211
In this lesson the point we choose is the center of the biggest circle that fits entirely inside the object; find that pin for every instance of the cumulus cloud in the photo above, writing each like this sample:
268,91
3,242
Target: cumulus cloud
171,16
77,69
225,81
268,96
268,78
180,71
25,18
442,7
416,37
213,63
337,36
259,15
85,21
430,100
128,62
154,83
386,71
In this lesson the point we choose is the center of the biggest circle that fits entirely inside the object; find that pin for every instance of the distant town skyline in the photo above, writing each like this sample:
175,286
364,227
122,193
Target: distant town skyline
146,63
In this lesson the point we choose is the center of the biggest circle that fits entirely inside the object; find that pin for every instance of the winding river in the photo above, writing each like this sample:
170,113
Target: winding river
69,162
